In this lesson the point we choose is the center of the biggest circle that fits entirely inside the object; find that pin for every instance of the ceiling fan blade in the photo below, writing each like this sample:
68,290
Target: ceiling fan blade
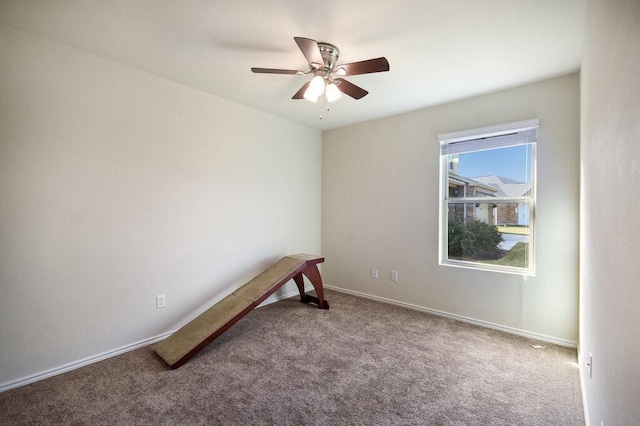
310,51
300,93
275,71
350,89
364,67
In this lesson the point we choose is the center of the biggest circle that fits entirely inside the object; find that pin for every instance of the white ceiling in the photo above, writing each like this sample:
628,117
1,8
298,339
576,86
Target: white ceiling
438,50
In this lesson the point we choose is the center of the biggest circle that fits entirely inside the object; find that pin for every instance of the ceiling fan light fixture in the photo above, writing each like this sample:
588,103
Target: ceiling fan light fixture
310,96
341,71
316,87
332,92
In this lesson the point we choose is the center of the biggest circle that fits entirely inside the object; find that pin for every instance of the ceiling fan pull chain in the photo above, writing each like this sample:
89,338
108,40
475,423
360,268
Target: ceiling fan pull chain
322,104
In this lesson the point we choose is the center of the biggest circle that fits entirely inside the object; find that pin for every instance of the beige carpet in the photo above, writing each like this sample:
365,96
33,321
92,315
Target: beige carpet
361,362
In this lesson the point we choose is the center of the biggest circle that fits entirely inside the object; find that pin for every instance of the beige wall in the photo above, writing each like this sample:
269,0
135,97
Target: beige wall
610,233
380,185
116,186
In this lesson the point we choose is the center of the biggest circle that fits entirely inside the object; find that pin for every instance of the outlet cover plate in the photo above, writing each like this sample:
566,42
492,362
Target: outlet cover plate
161,301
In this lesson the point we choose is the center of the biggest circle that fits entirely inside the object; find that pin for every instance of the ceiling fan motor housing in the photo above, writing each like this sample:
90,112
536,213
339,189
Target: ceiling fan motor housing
330,54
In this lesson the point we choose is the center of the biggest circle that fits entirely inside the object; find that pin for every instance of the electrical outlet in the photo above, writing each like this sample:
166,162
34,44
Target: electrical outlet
374,273
394,276
161,301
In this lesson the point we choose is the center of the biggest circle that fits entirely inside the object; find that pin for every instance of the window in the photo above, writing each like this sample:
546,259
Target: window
487,199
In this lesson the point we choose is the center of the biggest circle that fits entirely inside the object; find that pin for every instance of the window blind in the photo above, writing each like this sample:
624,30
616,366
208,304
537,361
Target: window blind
504,135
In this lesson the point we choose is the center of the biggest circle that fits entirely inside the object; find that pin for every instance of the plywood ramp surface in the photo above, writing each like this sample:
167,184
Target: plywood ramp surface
194,336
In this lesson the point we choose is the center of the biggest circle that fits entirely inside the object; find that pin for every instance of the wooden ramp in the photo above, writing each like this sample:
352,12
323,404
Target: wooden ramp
178,348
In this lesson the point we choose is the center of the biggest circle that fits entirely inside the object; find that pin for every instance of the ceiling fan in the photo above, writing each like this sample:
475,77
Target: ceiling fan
323,58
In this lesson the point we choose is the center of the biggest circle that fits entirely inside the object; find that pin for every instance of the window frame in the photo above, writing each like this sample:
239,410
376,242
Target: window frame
490,137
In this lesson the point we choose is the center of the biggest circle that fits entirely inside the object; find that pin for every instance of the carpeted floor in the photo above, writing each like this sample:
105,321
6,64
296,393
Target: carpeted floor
359,363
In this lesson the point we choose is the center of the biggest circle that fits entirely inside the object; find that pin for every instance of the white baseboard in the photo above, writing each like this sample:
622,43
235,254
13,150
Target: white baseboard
105,355
145,342
80,363
587,422
486,324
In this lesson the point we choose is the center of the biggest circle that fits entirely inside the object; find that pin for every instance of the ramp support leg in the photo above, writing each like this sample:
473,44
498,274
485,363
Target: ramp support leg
312,273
